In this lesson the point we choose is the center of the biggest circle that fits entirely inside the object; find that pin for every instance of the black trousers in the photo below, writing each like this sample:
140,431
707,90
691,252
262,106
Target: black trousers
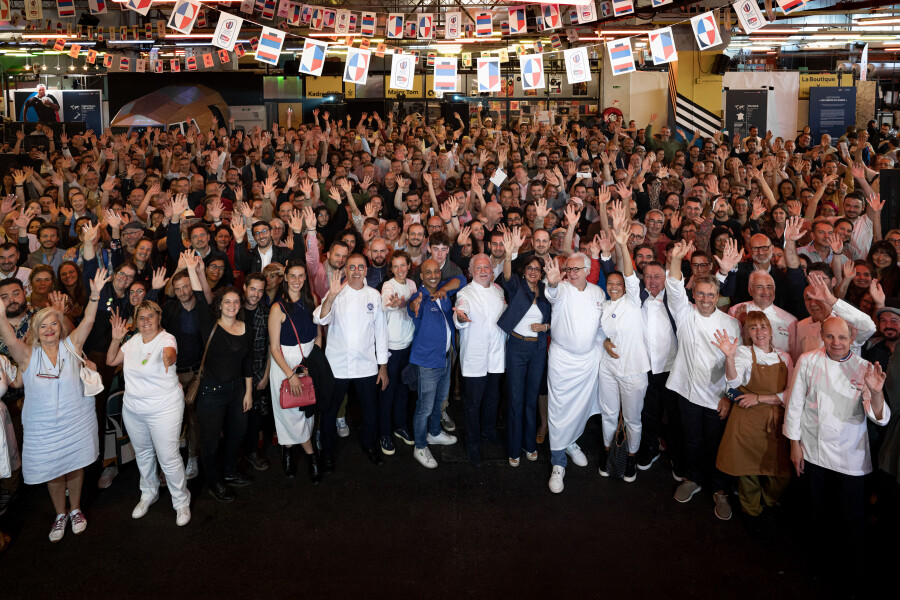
703,431
482,401
258,422
368,399
848,492
220,406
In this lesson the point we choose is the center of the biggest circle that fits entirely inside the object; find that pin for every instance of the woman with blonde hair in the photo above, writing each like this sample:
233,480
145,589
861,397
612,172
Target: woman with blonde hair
753,448
153,406
58,420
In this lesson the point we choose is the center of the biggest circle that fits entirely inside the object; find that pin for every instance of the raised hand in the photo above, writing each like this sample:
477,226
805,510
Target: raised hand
875,377
540,209
309,218
792,229
818,290
159,279
99,280
336,283
731,256
119,328
58,300
835,242
621,233
726,344
239,230
875,291
112,219
551,270
875,202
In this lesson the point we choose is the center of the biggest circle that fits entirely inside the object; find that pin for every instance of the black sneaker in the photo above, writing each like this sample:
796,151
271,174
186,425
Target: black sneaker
403,435
646,458
221,492
630,469
387,446
238,480
604,456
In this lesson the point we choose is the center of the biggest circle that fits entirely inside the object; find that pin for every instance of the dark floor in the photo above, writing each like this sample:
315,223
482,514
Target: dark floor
400,530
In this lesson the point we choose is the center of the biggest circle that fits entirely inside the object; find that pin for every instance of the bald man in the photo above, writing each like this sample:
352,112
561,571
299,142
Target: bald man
832,394
761,286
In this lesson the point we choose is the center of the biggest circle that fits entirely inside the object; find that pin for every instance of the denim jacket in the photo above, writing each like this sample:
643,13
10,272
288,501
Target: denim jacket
429,345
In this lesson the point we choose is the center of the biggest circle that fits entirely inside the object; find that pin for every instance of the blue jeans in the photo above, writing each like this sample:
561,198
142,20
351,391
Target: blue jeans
558,458
392,400
434,385
525,365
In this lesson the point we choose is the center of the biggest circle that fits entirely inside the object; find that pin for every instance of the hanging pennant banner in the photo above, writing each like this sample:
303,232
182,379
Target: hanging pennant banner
410,30
656,3
317,21
4,10
488,74
706,31
246,8
402,71
662,46
74,51
380,49
175,65
425,28
550,16
484,24
239,50
224,56
364,44
605,10
445,68
107,60
208,62
749,15
268,11
467,59
160,28
148,31
518,22
227,31
65,8
588,12
140,65
313,58
864,63
342,22
283,7
789,6
353,21
556,41
33,10
191,63
394,27
330,17
367,24
621,59
306,14
622,7
293,17
142,7
578,69
124,63
356,69
531,67
269,49
91,56
184,15
452,22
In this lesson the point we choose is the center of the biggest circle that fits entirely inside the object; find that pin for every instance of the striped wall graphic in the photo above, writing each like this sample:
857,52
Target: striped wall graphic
691,117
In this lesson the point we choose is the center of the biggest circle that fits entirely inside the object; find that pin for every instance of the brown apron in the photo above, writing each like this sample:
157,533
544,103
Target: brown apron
753,443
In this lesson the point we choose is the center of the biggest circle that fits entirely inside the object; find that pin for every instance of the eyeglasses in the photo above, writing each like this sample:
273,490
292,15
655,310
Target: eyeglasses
137,292
356,267
124,277
760,248
216,268
700,265
574,269
655,221
261,231
532,269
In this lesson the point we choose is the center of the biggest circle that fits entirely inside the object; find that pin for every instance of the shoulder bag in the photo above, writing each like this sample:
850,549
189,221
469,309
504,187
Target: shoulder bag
93,383
307,395
190,394
617,457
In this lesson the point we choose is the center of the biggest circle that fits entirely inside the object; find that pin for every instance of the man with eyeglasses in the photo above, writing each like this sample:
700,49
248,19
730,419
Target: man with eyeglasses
655,220
573,371
761,255
198,235
698,377
357,351
266,252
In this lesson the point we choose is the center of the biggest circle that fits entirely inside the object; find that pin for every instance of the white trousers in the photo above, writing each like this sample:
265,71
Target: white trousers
156,437
626,393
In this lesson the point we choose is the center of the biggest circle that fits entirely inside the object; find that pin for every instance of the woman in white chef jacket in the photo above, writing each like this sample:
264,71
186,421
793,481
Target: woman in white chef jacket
9,450
623,380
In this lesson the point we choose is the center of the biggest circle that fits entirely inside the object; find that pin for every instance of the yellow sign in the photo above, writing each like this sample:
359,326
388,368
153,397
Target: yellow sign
319,87
808,80
416,92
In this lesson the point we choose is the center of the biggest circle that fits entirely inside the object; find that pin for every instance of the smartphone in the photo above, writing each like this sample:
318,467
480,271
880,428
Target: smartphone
583,175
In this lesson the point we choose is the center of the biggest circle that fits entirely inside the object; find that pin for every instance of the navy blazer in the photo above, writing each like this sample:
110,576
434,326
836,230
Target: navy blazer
520,300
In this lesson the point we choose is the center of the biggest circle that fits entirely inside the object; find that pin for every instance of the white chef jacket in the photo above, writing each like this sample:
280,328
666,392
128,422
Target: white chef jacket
861,237
575,323
699,370
808,336
482,345
784,324
662,345
357,333
621,320
743,363
400,325
827,411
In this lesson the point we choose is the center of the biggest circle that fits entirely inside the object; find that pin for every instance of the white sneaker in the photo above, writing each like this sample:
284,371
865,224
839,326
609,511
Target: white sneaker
425,458
59,528
107,476
143,506
446,422
192,469
576,455
441,439
79,523
556,479
183,516
342,429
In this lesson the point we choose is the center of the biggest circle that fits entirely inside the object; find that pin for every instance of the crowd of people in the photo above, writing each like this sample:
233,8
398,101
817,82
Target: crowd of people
731,303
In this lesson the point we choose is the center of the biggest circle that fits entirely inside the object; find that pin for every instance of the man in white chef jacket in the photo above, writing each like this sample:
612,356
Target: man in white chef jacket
357,351
698,376
761,287
833,392
482,354
573,372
